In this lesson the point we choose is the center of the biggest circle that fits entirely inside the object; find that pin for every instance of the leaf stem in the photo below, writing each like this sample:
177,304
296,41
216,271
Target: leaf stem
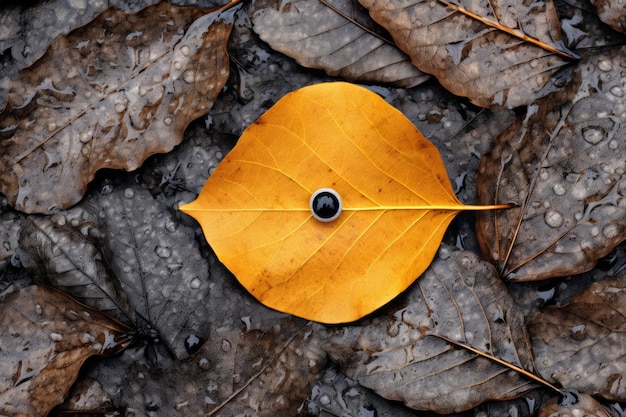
502,362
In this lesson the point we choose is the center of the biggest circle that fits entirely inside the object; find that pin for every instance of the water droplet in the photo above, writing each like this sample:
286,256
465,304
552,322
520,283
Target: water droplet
163,251
129,193
553,218
185,50
52,126
106,188
226,345
613,145
195,283
324,399
167,121
71,315
605,65
544,174
86,338
56,337
204,364
86,136
578,332
193,343
189,76
534,63
120,107
593,134
558,189
617,91
611,231
170,225
38,309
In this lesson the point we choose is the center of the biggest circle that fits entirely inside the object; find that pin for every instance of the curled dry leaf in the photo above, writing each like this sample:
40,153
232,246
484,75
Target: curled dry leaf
407,358
335,36
564,165
573,404
611,12
109,94
495,52
70,258
582,344
396,197
46,337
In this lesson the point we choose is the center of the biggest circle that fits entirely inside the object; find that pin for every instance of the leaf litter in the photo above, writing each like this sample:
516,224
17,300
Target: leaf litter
564,165
410,355
46,338
151,401
95,102
337,36
494,53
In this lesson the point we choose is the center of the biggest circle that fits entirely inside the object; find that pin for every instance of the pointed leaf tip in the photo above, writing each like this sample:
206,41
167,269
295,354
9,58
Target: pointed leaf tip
395,194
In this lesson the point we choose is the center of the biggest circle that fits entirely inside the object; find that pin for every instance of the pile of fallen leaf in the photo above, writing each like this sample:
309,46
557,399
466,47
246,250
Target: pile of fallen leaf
526,319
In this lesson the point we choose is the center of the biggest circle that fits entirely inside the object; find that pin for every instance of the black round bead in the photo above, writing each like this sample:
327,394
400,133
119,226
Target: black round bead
325,204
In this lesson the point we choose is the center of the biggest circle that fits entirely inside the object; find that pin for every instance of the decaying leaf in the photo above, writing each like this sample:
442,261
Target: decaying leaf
611,12
564,165
582,344
496,52
156,262
397,202
573,404
67,257
334,35
407,357
46,337
237,372
109,94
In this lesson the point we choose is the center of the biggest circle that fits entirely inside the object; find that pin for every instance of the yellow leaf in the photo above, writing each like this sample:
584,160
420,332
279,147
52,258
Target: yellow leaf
396,197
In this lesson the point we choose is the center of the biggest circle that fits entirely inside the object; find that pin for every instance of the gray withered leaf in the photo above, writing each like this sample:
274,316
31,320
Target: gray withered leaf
108,95
68,254
581,345
46,337
338,37
563,164
405,357
495,53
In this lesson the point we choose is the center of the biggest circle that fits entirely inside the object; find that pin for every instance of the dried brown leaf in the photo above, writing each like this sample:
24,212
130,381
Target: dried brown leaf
564,165
574,404
407,358
337,38
109,94
46,338
496,52
582,345
611,12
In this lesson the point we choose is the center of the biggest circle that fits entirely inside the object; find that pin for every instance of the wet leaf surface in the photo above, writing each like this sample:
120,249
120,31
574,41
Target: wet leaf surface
574,404
402,358
70,257
611,12
156,261
395,195
46,338
338,37
496,52
92,102
582,344
564,166
256,372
